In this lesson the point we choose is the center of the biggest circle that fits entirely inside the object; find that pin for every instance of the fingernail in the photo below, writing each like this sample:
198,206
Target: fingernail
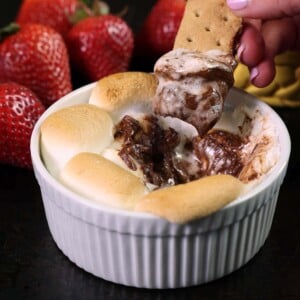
253,74
237,4
240,51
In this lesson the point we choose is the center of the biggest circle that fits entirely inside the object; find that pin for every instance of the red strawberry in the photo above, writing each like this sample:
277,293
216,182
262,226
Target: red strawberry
36,56
100,46
54,13
19,110
159,29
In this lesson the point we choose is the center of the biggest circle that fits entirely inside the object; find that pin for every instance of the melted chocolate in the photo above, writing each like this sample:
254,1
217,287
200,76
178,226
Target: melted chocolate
153,149
219,152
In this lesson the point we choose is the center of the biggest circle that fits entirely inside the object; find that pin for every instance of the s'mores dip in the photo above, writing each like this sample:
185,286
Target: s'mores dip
114,150
145,193
111,222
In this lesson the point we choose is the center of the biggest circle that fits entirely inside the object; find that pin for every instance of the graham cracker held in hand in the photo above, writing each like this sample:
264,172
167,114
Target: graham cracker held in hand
208,25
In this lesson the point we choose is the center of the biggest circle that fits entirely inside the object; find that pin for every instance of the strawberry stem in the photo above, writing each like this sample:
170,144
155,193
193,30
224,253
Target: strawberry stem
123,12
89,8
100,8
8,30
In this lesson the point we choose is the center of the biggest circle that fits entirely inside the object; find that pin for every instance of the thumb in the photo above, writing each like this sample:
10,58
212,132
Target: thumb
265,9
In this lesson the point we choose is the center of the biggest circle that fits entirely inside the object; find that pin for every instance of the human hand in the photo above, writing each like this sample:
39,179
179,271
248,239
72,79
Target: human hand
271,27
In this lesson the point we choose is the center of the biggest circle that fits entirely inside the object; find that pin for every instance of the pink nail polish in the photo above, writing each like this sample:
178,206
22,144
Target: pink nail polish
240,51
237,4
253,74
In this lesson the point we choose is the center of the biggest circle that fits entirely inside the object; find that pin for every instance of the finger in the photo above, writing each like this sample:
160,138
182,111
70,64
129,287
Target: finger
279,35
252,47
266,9
264,73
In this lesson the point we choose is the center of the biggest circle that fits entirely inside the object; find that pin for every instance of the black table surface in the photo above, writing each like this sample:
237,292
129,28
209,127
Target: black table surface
32,267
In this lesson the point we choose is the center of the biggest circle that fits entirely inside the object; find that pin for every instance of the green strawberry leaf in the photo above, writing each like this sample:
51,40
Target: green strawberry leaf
79,15
8,30
88,8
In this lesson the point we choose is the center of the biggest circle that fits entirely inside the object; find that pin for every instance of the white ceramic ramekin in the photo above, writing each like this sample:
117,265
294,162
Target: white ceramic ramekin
142,250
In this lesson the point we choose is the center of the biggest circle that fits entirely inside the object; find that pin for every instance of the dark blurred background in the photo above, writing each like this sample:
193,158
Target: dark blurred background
137,9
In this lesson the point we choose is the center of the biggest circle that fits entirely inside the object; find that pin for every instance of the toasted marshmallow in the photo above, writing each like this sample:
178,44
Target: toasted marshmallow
185,202
125,93
72,130
93,176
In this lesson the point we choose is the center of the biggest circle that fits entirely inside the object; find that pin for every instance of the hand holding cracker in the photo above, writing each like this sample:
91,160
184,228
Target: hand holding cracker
195,77
272,28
